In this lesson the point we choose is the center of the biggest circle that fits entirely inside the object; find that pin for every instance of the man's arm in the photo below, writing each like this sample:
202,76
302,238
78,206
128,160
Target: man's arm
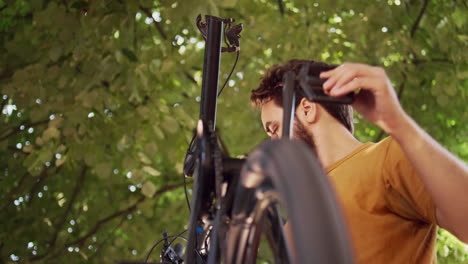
444,175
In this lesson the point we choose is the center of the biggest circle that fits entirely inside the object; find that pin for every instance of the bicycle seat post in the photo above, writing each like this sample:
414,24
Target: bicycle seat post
212,60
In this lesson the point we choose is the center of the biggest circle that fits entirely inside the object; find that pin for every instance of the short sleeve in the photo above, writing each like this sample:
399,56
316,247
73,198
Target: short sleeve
406,194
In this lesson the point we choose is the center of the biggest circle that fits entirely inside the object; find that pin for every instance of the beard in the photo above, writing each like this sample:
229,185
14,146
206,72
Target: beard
300,133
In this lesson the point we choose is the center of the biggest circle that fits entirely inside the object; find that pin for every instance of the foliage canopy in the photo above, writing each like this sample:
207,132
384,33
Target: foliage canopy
99,99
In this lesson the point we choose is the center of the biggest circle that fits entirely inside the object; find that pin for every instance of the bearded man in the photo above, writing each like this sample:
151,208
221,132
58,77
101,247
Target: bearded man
394,193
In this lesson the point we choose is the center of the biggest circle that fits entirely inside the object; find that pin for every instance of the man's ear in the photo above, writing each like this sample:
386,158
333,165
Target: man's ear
307,111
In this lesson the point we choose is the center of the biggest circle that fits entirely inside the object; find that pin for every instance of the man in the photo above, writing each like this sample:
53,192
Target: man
394,193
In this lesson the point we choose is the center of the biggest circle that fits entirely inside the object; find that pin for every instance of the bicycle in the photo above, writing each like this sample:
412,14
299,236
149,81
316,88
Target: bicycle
235,201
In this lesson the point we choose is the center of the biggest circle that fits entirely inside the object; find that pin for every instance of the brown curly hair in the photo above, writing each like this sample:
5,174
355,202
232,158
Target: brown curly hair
270,88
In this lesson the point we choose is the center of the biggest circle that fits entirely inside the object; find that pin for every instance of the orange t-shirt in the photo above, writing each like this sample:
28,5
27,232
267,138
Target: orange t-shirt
390,215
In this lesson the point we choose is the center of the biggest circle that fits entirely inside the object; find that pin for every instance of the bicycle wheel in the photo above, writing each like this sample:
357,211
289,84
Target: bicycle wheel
286,172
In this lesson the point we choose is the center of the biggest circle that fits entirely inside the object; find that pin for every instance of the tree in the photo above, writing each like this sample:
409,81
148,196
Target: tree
99,99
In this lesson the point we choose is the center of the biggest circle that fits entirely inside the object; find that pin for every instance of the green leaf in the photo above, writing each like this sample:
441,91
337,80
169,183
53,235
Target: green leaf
124,143
170,124
151,171
28,148
143,158
147,207
128,163
56,122
227,3
158,131
44,156
151,148
129,54
137,177
55,53
90,159
144,112
61,161
38,114
148,189
460,18
36,4
103,170
50,133
80,5
3,145
167,65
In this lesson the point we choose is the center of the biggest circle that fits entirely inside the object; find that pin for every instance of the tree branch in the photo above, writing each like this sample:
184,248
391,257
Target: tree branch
414,28
99,246
148,13
76,190
5,101
281,7
17,150
42,177
129,209
16,129
168,188
5,75
80,241
434,60
190,77
402,86
418,19
32,192
9,196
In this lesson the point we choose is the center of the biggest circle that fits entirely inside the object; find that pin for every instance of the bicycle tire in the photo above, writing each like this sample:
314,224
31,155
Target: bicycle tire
286,170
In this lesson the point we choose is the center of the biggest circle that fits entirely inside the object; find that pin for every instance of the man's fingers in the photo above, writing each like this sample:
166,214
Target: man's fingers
327,74
336,75
332,77
367,83
345,73
344,78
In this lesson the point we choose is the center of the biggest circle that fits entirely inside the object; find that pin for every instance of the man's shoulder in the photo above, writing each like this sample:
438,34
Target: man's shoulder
391,148
385,143
367,155
381,147
387,147
379,153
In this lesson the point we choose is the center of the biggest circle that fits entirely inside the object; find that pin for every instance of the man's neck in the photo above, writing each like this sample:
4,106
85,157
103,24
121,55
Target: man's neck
334,143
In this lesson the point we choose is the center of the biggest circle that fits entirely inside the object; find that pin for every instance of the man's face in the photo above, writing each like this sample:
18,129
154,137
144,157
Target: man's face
272,119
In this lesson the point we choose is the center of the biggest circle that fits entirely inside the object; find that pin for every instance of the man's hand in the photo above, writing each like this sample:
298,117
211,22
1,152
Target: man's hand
376,99
444,175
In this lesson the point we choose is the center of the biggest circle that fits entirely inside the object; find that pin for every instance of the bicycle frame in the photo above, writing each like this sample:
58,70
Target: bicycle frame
207,183
216,174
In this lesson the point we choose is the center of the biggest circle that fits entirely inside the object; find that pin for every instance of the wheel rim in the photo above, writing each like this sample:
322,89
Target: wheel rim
248,229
